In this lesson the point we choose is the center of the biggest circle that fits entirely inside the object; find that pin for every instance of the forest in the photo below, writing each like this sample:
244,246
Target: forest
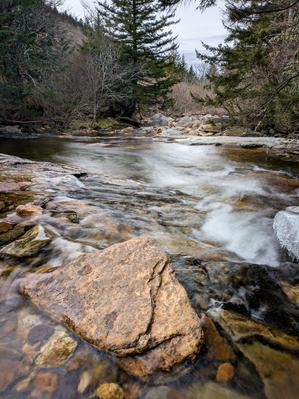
123,60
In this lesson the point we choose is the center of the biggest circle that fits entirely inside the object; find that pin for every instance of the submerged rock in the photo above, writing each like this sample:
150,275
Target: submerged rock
110,391
225,372
291,291
5,226
28,244
84,382
278,370
218,347
125,300
240,329
211,390
268,349
286,227
57,350
12,234
253,290
45,383
8,187
29,210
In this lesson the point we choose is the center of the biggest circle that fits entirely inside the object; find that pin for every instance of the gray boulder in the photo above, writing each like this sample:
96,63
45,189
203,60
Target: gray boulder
160,120
171,133
286,227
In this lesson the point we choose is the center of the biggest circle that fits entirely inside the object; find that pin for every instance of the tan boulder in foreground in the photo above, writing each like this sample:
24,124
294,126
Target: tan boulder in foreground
124,300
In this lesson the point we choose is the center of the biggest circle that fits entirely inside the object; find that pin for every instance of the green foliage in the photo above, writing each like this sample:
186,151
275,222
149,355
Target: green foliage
146,45
30,47
257,69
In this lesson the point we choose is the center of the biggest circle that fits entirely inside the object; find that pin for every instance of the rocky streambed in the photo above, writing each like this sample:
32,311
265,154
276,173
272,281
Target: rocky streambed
205,307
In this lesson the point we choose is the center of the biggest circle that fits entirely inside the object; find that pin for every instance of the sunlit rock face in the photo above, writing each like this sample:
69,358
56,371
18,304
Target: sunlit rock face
124,300
286,227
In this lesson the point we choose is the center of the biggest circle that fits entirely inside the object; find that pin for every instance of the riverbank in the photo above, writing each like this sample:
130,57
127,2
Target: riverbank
156,125
209,207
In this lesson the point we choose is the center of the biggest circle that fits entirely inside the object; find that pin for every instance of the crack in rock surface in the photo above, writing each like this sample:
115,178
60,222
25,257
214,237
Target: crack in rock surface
125,300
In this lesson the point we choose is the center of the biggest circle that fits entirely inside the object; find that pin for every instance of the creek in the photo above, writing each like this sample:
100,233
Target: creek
203,204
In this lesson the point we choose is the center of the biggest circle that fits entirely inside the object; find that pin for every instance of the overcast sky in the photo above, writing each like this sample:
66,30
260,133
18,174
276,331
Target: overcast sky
193,27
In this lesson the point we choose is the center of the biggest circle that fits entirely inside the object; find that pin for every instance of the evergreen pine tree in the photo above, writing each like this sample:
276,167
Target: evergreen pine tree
30,46
191,73
146,43
257,77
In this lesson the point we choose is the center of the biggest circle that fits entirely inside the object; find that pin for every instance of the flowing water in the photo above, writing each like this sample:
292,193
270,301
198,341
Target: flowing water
201,203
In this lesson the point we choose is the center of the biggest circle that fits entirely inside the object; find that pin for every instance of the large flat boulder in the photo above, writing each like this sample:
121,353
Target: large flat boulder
125,300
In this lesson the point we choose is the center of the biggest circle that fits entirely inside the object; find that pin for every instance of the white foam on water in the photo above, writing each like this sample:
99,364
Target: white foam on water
247,234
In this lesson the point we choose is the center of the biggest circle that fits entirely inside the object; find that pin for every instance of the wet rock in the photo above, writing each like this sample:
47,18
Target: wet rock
24,185
158,393
278,370
252,290
11,199
133,389
286,227
182,246
218,347
57,350
39,333
5,226
11,370
11,234
110,391
142,314
27,321
240,328
23,384
46,382
65,182
291,291
8,187
7,327
171,133
85,380
28,244
29,210
104,371
248,203
212,390
30,352
225,372
6,376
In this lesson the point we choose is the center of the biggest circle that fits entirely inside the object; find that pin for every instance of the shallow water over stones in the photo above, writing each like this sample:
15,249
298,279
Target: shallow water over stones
211,208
